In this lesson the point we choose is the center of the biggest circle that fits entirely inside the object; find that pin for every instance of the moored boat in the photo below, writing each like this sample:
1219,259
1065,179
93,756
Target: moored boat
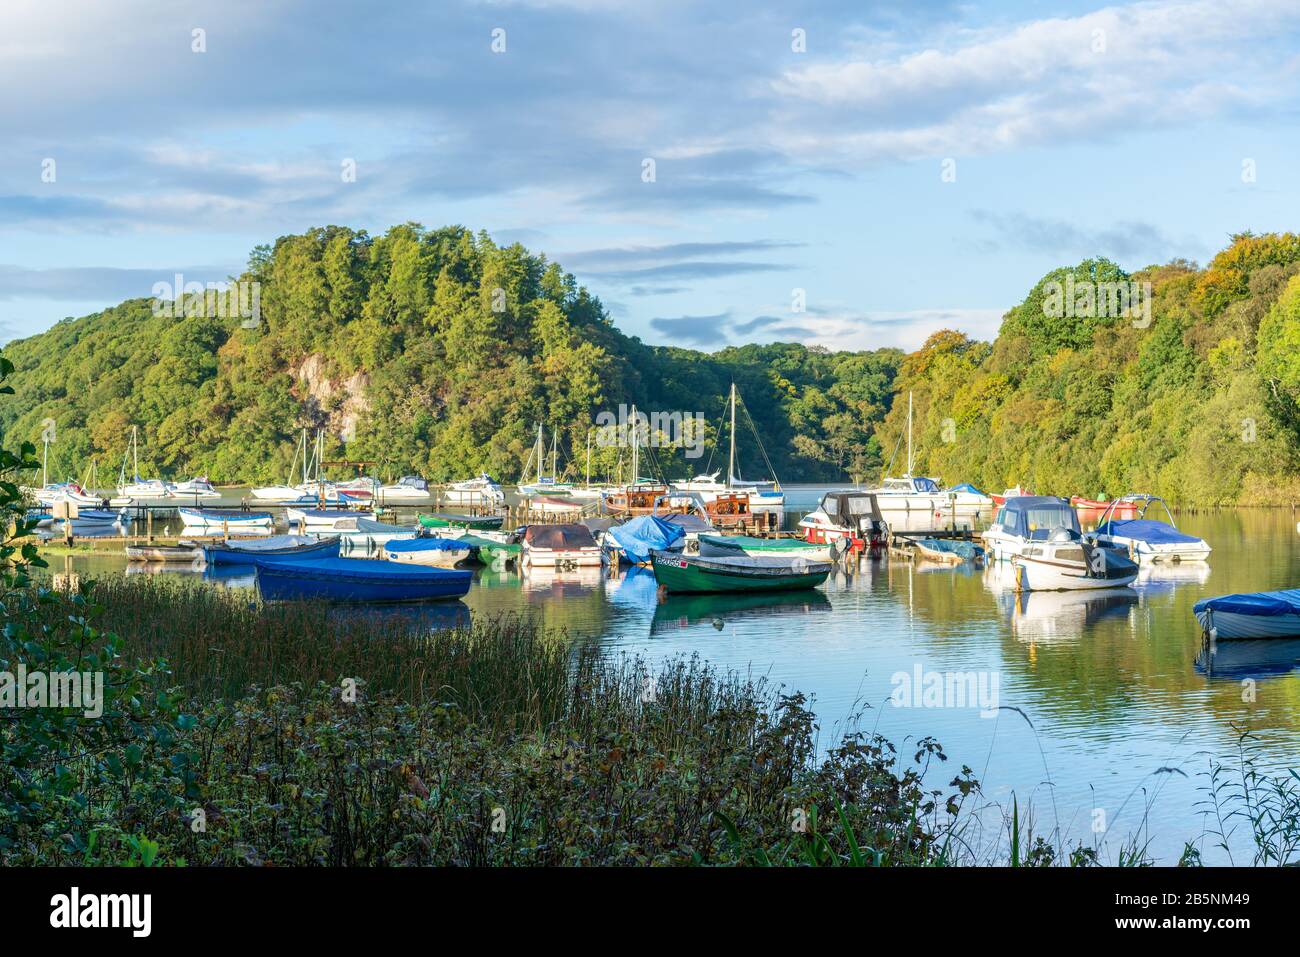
690,573
163,553
1024,519
852,516
1064,561
1264,614
1148,539
634,541
333,519
732,546
560,546
357,580
450,520
429,551
482,490
946,551
247,551
199,517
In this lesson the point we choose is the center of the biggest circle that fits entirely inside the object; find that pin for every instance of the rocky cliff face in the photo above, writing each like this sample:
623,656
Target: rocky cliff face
343,403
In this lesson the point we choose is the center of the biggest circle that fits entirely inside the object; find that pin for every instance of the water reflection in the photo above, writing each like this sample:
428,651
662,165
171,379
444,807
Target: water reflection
677,612
561,582
1248,659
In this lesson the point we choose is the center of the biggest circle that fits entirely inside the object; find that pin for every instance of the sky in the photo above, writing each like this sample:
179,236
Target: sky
852,175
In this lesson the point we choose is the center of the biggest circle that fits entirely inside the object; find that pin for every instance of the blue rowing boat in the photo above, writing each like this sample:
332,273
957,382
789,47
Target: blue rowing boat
225,517
357,580
1261,614
248,551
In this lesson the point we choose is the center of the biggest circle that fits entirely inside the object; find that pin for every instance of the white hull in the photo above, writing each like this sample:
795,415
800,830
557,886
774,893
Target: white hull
344,521
145,491
455,496
1228,624
1038,575
562,558
1148,552
432,558
403,493
199,521
277,493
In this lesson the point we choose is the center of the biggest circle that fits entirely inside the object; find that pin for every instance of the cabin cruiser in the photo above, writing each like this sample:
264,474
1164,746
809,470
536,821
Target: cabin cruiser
63,492
911,493
408,488
482,490
852,516
1025,519
1147,539
560,546
198,487
1064,561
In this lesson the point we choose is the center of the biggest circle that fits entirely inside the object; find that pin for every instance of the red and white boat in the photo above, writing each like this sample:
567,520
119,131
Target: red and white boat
851,516
1000,500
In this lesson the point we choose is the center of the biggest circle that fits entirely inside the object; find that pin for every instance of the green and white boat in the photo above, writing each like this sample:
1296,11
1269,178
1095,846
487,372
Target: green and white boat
735,546
689,573
491,552
445,520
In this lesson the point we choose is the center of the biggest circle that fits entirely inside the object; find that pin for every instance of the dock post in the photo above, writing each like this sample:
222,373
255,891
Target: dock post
148,522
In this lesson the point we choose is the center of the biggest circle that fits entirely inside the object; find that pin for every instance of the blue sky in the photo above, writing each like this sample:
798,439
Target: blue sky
1073,129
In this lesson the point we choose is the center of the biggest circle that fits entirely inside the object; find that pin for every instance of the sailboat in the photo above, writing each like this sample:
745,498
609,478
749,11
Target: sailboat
763,496
545,485
588,491
51,494
288,492
640,496
138,488
911,492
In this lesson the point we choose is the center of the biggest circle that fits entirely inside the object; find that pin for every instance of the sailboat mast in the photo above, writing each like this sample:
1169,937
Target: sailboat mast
541,452
909,435
731,457
589,458
45,465
555,441
636,439
135,454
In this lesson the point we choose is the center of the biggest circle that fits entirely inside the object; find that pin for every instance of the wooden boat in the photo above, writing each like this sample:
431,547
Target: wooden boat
1093,505
357,580
163,553
446,520
730,510
248,551
946,551
639,499
428,551
224,518
687,573
560,546
734,546
1264,614
1066,562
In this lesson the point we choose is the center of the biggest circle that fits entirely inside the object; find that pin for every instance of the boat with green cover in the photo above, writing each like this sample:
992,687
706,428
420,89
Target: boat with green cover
690,573
489,551
447,520
732,546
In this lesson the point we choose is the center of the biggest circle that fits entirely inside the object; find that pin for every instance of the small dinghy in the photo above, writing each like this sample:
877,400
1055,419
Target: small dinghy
163,553
224,518
735,546
489,551
357,580
1065,562
1262,614
429,551
248,551
1147,539
947,552
688,573
444,520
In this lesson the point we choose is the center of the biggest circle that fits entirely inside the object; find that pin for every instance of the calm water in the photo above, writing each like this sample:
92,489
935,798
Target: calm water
1111,684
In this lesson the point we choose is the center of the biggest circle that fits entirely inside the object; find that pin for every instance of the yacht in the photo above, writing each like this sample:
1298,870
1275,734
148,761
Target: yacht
408,488
482,490
1147,539
198,487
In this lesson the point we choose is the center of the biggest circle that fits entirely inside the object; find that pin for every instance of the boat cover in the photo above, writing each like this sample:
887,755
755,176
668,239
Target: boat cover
690,523
427,545
1146,530
644,534
1261,603
967,550
372,527
1034,516
967,487
559,538
269,543
359,569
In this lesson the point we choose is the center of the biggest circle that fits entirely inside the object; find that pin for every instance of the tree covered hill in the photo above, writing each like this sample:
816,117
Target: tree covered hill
434,351
1197,400
437,351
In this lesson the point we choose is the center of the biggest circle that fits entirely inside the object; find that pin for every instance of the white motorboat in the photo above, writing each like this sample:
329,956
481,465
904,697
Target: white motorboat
327,519
1147,539
1065,562
851,516
139,489
195,488
1026,519
427,550
482,490
408,488
560,546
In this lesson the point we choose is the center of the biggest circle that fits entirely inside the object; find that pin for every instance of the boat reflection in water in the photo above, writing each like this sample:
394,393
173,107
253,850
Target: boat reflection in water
632,586
195,567
538,581
1166,576
1055,615
420,616
679,612
1248,658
